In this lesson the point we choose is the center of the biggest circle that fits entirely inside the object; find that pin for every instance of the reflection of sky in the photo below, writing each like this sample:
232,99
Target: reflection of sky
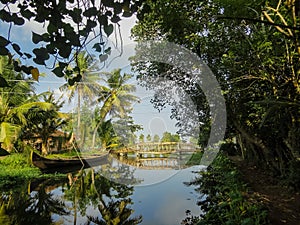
161,203
165,202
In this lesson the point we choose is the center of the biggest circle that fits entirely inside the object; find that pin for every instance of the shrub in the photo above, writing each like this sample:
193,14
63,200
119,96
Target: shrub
225,198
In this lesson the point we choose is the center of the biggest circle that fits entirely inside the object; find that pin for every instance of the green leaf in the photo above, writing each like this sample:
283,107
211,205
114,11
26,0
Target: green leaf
118,8
115,19
77,78
103,20
74,39
76,15
41,53
108,3
52,28
3,51
97,47
3,41
51,48
58,71
3,82
5,16
71,82
65,51
19,21
90,24
127,14
26,13
108,29
26,69
39,61
108,50
62,65
91,12
17,49
36,38
29,56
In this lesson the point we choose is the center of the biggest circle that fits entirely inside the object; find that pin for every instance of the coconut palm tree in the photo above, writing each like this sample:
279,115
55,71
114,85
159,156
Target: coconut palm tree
116,98
16,99
87,88
45,122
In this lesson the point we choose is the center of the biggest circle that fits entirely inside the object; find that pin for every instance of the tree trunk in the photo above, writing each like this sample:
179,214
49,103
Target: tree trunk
256,141
44,148
95,133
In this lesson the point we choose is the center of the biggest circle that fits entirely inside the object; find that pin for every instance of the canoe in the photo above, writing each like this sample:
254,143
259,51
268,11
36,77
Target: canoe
66,165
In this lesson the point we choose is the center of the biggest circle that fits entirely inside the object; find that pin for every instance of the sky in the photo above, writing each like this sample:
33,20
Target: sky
144,114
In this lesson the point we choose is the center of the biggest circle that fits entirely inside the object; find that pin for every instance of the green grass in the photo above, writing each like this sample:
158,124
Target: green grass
71,154
16,168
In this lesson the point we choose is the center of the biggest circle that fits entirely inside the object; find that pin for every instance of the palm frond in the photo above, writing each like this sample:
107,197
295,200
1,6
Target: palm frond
9,133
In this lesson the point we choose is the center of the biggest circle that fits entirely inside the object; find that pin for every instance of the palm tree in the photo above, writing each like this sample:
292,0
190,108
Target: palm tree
116,98
88,87
15,101
45,122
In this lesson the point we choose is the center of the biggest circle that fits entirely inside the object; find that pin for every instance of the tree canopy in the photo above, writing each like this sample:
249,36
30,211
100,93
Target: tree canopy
70,27
253,50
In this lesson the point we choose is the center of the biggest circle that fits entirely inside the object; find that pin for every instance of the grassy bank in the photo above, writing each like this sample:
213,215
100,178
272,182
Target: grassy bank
16,168
227,200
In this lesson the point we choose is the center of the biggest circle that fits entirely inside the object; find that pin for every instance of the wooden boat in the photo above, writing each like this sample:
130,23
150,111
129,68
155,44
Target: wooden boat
67,165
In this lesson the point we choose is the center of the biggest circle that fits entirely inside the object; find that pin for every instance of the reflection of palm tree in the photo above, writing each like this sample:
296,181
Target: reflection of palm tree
116,210
88,87
22,208
116,98
111,198
115,213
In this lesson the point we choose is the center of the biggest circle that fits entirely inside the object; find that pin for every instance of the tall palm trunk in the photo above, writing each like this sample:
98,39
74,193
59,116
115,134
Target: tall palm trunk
79,132
103,113
44,147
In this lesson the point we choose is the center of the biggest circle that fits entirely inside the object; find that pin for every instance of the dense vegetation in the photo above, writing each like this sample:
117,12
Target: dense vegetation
36,120
70,28
225,199
253,50
252,47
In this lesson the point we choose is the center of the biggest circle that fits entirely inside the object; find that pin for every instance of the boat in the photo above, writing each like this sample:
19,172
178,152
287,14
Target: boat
67,165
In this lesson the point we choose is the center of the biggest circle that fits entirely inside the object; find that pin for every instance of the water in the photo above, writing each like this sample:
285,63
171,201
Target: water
108,193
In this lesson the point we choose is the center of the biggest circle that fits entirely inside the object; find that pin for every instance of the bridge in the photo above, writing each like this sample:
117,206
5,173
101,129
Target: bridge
155,163
157,148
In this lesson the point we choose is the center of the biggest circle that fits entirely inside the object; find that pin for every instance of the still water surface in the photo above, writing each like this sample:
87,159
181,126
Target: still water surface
104,194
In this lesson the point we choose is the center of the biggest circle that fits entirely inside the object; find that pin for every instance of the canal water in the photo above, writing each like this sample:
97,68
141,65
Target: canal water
108,194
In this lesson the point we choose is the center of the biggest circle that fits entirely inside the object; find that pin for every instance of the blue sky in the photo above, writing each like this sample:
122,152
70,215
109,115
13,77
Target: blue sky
144,113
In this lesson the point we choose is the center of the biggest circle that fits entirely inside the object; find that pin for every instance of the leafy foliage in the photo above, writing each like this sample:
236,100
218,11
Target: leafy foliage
225,198
116,98
253,50
71,25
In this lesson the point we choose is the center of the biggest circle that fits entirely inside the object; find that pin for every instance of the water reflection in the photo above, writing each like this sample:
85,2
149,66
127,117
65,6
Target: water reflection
155,162
110,198
109,194
22,206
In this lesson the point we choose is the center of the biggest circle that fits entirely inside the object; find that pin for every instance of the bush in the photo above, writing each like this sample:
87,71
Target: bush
226,197
293,178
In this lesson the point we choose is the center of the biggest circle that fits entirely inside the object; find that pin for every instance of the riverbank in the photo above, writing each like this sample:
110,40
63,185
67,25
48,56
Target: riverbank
228,199
241,193
16,169
282,202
